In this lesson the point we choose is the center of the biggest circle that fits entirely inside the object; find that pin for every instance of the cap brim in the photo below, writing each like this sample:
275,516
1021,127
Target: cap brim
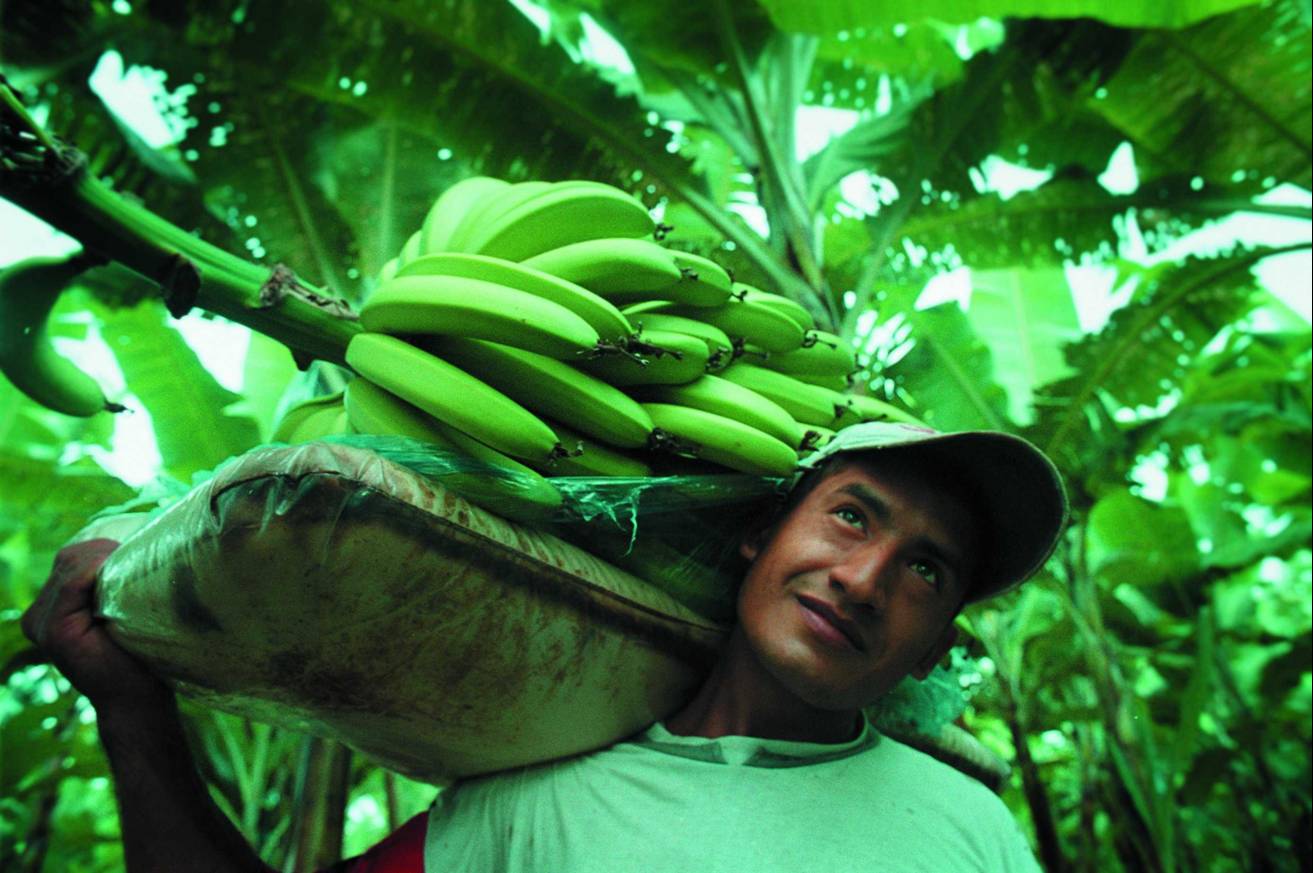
1019,494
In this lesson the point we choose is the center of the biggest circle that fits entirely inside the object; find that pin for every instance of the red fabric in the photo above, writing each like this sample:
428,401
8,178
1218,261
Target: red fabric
403,852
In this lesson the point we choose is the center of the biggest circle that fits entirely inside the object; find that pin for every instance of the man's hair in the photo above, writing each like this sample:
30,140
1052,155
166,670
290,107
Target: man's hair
937,466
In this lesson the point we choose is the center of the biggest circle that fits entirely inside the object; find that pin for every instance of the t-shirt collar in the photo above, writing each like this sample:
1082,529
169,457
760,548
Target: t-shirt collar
755,751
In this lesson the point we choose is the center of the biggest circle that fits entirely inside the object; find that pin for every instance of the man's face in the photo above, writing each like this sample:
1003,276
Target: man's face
857,587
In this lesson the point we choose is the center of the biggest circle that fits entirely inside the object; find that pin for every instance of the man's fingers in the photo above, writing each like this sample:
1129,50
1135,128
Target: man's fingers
69,587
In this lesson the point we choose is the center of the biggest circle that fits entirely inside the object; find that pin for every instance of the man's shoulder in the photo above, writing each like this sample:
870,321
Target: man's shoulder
910,772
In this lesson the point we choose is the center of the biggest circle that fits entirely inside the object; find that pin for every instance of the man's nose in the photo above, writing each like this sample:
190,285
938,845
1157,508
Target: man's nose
864,574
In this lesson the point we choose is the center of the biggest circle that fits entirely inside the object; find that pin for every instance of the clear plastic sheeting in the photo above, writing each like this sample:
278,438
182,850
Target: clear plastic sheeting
681,533
324,587
374,591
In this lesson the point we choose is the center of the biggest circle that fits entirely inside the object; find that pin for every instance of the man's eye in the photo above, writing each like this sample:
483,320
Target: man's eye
850,515
927,571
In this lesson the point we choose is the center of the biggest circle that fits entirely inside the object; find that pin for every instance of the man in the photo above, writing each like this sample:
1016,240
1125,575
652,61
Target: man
888,531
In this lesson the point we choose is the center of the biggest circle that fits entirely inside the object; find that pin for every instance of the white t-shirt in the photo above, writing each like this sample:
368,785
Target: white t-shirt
660,802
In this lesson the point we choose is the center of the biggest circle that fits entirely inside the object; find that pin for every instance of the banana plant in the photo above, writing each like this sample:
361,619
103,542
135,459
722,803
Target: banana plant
1171,738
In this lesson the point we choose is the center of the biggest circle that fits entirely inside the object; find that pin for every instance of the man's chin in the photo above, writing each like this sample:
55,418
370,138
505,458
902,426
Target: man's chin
818,690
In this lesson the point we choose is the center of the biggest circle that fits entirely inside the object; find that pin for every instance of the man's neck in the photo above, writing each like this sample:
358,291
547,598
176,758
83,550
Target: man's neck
739,698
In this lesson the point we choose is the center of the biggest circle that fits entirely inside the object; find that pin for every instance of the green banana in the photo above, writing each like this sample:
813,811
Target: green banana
832,383
380,411
713,394
560,216
616,268
723,440
660,358
490,208
321,422
702,270
601,314
389,269
449,393
451,208
645,307
374,410
808,404
472,307
748,320
591,458
824,359
778,302
718,342
410,251
509,489
28,292
289,423
552,388
870,409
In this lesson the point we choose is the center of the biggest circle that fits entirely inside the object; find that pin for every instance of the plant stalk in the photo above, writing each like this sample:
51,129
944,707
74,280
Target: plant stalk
50,181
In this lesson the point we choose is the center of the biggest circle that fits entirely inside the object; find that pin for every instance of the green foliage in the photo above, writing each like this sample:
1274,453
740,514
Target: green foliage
1151,685
1226,64
187,406
949,371
1025,317
829,16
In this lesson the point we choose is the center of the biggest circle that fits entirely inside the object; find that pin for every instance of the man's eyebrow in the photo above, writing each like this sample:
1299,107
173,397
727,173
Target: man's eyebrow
868,498
877,506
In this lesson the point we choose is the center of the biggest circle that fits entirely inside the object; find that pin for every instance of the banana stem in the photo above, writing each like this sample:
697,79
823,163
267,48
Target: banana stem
190,271
15,106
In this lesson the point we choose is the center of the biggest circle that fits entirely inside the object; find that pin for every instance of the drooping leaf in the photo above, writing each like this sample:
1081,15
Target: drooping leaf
1228,99
54,501
1145,349
188,408
393,177
849,67
29,429
953,132
1046,120
1025,317
1070,220
991,108
833,16
689,38
1137,542
861,147
267,371
950,373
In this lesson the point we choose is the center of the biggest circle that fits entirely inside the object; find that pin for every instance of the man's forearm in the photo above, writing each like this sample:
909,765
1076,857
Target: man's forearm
168,819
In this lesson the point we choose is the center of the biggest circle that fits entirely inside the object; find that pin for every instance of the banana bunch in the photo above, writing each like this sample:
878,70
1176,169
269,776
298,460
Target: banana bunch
28,292
542,328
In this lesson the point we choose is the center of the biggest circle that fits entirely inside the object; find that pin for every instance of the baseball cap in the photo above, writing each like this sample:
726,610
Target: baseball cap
1016,490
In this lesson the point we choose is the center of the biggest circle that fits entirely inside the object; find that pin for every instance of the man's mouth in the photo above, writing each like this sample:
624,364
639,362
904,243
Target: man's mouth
828,622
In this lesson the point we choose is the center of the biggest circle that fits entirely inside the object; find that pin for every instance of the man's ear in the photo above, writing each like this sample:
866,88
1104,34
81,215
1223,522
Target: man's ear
757,535
945,642
750,545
